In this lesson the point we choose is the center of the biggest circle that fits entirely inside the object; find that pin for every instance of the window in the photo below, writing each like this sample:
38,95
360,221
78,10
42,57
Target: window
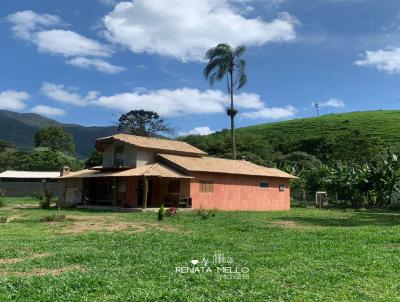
173,186
119,156
264,185
206,186
282,187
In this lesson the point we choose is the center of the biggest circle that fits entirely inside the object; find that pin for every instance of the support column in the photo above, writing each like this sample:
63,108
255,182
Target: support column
145,191
114,192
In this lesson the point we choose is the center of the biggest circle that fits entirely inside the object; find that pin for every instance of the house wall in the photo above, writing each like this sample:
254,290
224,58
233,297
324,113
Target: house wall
133,157
108,156
28,188
144,158
239,193
70,191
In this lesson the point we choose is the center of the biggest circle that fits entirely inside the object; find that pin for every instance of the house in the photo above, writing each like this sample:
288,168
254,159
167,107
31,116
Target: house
140,172
28,183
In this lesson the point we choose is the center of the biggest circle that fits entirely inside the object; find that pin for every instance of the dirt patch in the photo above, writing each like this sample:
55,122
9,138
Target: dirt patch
25,206
45,271
286,223
83,224
16,260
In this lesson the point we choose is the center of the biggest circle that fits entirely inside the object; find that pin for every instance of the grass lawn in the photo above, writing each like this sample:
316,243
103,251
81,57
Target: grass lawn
297,255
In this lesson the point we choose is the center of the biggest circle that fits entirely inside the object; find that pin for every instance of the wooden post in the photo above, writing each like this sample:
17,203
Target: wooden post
145,191
114,196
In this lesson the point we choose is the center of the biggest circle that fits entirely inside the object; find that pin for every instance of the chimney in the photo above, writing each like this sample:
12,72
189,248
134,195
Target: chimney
65,171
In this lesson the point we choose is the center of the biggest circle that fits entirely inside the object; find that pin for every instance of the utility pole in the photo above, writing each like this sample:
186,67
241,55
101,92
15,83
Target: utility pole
316,106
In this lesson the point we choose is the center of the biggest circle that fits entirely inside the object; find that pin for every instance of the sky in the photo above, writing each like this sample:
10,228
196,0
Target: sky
87,61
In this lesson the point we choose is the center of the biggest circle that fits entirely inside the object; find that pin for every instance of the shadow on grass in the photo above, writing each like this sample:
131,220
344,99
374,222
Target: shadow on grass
352,220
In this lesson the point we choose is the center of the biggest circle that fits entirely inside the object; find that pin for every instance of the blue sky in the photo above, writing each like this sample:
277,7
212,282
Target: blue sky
87,61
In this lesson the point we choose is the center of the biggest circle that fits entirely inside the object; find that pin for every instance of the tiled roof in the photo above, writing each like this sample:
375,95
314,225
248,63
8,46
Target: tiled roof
156,144
224,166
29,174
155,170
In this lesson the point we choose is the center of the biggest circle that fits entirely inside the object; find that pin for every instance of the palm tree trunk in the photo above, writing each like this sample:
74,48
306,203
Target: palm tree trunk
232,115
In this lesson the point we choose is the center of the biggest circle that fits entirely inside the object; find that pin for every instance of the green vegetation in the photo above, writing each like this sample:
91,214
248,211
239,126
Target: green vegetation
19,130
297,255
55,139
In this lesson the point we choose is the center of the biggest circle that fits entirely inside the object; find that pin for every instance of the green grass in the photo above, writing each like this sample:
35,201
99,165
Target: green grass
297,255
383,123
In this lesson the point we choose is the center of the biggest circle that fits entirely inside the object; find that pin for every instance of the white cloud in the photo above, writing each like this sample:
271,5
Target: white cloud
13,100
333,103
33,27
68,43
67,95
386,60
26,22
177,102
204,130
186,29
98,64
48,111
271,113
170,102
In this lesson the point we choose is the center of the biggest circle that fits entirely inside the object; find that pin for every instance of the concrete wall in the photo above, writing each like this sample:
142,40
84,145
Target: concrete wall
24,189
240,193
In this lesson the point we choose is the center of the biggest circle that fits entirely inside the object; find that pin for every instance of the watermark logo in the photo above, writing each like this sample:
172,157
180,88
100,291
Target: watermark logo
222,266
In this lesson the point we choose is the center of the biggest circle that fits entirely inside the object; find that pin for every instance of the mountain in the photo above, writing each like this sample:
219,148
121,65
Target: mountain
19,130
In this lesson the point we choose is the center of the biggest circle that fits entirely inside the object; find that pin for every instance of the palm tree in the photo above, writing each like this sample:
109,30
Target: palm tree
224,61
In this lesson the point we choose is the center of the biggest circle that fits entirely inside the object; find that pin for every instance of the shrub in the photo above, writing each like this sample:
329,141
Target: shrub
3,219
53,218
395,201
37,195
46,201
171,212
161,213
2,199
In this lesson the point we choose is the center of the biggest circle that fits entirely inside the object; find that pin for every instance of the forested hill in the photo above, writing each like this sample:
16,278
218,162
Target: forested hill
20,128
315,135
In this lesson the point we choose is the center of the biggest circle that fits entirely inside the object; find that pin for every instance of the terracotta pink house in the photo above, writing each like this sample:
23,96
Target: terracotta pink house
140,172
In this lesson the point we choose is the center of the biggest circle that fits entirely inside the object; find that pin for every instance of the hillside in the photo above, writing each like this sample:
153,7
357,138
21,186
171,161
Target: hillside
20,128
383,123
265,143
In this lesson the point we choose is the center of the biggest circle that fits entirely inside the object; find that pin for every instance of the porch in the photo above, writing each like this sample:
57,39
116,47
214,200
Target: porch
135,192
142,187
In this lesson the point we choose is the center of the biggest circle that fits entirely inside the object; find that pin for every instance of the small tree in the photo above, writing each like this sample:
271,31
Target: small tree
95,159
56,139
143,123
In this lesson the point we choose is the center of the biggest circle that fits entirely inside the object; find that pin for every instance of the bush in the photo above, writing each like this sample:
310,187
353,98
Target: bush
53,218
395,201
46,201
3,202
3,219
205,214
37,195
161,213
171,212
